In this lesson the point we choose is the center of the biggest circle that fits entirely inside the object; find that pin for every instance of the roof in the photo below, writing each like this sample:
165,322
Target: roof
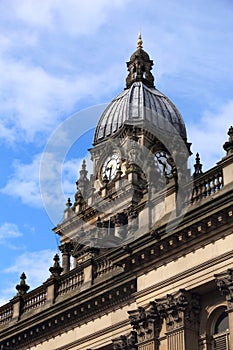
139,104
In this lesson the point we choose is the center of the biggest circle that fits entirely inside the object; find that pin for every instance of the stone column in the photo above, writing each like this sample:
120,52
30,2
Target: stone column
132,220
181,312
66,252
147,323
224,282
119,226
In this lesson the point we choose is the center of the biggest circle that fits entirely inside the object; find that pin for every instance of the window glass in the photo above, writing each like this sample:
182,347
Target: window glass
222,323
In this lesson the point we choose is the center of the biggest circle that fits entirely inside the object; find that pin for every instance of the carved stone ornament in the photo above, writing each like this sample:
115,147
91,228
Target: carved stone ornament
56,269
224,282
22,287
126,342
228,145
146,322
180,309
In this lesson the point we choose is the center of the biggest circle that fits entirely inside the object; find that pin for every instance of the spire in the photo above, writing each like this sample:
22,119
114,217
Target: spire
139,67
83,181
139,42
197,165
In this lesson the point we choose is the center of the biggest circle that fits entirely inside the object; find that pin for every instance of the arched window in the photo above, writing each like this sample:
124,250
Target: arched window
221,333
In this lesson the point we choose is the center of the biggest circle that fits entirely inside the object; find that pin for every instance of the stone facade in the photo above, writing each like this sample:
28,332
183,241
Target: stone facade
152,244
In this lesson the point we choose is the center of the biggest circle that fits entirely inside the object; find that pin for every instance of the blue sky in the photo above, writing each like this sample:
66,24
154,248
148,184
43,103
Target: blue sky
58,58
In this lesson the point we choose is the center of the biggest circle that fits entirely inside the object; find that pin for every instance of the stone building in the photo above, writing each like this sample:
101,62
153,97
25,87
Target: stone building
151,240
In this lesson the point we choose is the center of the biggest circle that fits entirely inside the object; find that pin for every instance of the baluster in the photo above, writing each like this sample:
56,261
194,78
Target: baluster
218,183
213,184
208,187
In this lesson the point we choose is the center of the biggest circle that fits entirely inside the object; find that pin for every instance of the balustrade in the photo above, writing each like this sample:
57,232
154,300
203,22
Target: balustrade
6,313
71,282
207,184
104,266
35,299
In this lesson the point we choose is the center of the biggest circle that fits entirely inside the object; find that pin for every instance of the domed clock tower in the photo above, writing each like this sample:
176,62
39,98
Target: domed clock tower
152,244
139,155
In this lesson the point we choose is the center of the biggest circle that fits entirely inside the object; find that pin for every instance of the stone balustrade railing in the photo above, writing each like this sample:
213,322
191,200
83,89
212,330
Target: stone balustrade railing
103,267
34,299
204,185
69,282
6,313
207,184
21,305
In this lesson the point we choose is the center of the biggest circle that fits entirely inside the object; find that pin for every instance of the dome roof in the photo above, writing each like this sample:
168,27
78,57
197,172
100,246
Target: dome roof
139,105
140,53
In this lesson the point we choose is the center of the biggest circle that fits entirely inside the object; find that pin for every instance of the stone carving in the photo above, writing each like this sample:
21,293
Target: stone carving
146,322
228,145
56,269
180,309
22,287
126,342
224,282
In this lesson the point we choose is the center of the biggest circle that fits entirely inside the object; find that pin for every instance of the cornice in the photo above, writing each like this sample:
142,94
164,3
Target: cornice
69,314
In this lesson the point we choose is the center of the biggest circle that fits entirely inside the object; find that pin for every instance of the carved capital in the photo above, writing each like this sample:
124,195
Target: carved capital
146,322
180,309
224,282
126,342
66,248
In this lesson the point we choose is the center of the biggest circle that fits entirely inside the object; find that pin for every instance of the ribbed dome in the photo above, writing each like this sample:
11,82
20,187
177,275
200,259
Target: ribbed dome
137,105
140,53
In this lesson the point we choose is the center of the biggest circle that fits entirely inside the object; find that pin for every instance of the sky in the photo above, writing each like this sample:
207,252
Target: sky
60,63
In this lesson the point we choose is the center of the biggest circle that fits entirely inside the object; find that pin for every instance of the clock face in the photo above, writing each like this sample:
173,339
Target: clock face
163,162
110,167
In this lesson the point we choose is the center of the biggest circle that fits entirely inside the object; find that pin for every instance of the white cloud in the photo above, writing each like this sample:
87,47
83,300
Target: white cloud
70,175
4,299
58,183
74,17
24,182
41,83
9,230
34,100
27,263
210,133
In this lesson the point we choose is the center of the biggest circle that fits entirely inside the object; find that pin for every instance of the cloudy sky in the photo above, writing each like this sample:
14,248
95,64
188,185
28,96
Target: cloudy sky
58,58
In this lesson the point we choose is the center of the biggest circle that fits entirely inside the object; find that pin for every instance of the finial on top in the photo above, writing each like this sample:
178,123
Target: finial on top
56,269
139,42
68,203
84,165
140,66
22,287
228,145
197,165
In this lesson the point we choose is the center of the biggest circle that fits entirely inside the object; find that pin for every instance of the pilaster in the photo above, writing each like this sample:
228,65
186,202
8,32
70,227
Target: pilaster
125,342
147,323
224,282
181,312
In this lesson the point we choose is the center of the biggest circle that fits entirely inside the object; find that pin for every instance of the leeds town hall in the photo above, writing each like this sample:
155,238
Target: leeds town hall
146,243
